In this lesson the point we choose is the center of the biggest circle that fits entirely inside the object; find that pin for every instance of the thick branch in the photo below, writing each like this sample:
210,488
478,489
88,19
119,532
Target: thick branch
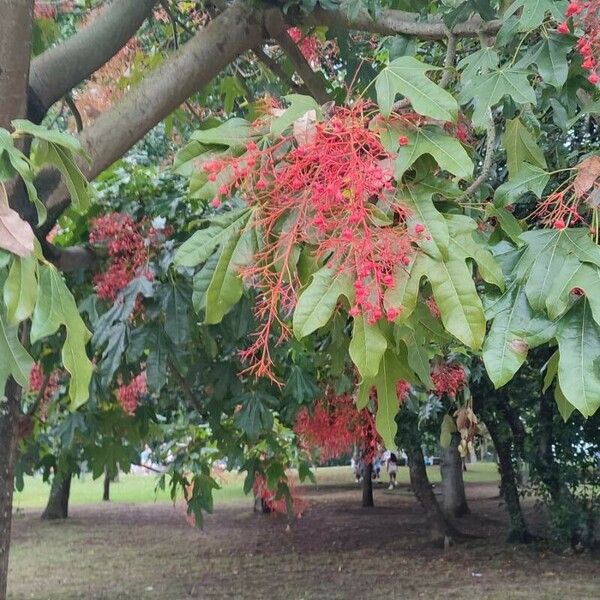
58,70
235,31
277,27
394,22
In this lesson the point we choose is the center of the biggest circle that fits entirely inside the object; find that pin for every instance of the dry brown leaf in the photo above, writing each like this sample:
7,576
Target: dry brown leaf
588,171
16,235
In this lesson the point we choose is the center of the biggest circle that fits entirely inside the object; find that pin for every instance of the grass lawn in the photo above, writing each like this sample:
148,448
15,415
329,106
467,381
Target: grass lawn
140,489
133,548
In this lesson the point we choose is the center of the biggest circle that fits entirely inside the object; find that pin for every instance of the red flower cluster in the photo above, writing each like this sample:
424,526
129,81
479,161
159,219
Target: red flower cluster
448,378
319,187
44,10
129,395
128,246
335,426
262,490
36,383
308,45
586,16
402,390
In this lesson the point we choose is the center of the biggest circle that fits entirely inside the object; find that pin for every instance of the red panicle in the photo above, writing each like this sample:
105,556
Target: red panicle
318,188
129,395
448,378
586,16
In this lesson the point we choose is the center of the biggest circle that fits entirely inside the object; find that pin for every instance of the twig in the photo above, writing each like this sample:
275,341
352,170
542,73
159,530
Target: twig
449,61
488,159
74,111
277,28
277,70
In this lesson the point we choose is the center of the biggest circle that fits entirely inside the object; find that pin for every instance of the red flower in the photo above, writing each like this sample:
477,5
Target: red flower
563,27
559,224
419,228
594,79
403,140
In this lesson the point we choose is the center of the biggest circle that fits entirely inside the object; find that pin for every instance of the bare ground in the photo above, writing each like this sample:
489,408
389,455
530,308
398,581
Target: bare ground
338,550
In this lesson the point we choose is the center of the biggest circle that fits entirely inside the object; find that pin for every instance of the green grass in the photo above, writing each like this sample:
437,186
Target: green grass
141,489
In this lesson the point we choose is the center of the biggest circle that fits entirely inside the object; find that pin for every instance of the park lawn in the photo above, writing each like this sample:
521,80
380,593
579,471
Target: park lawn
337,550
141,489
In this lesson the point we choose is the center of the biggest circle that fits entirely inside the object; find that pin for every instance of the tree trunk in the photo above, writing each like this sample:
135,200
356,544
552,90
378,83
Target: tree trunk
106,490
451,467
441,528
501,437
15,52
9,426
367,486
58,502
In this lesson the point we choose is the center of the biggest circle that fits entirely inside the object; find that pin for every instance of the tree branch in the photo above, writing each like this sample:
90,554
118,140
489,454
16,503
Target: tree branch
74,111
277,28
488,159
58,70
277,70
394,22
235,31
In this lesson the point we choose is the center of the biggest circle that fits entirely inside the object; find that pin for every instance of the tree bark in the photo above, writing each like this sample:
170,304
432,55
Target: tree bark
502,438
367,486
451,467
58,501
15,51
9,427
197,62
440,528
59,69
106,487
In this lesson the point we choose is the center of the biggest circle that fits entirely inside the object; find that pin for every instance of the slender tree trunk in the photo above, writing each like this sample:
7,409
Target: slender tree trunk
106,489
367,486
455,501
15,52
441,528
501,437
58,502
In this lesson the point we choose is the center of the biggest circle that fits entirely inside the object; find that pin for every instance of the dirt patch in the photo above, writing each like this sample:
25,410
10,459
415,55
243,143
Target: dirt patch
337,550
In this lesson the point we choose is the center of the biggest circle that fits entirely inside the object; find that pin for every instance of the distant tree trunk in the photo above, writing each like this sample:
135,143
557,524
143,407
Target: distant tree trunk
367,486
106,489
502,438
451,467
441,528
58,502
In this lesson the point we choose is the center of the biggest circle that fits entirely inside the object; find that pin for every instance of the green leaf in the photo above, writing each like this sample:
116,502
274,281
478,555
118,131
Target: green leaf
565,408
201,282
475,63
578,339
56,306
175,305
366,347
551,60
489,88
551,371
514,331
204,242
417,352
529,179
158,358
299,105
533,12
406,76
14,359
405,293
20,289
62,158
53,136
318,301
447,429
508,223
390,372
185,162
447,151
583,276
457,299
233,133
420,209
255,416
521,148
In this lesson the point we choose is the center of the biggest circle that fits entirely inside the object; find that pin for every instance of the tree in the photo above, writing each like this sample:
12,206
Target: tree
498,115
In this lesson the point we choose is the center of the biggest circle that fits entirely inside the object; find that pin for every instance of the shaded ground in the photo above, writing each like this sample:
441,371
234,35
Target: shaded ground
337,550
